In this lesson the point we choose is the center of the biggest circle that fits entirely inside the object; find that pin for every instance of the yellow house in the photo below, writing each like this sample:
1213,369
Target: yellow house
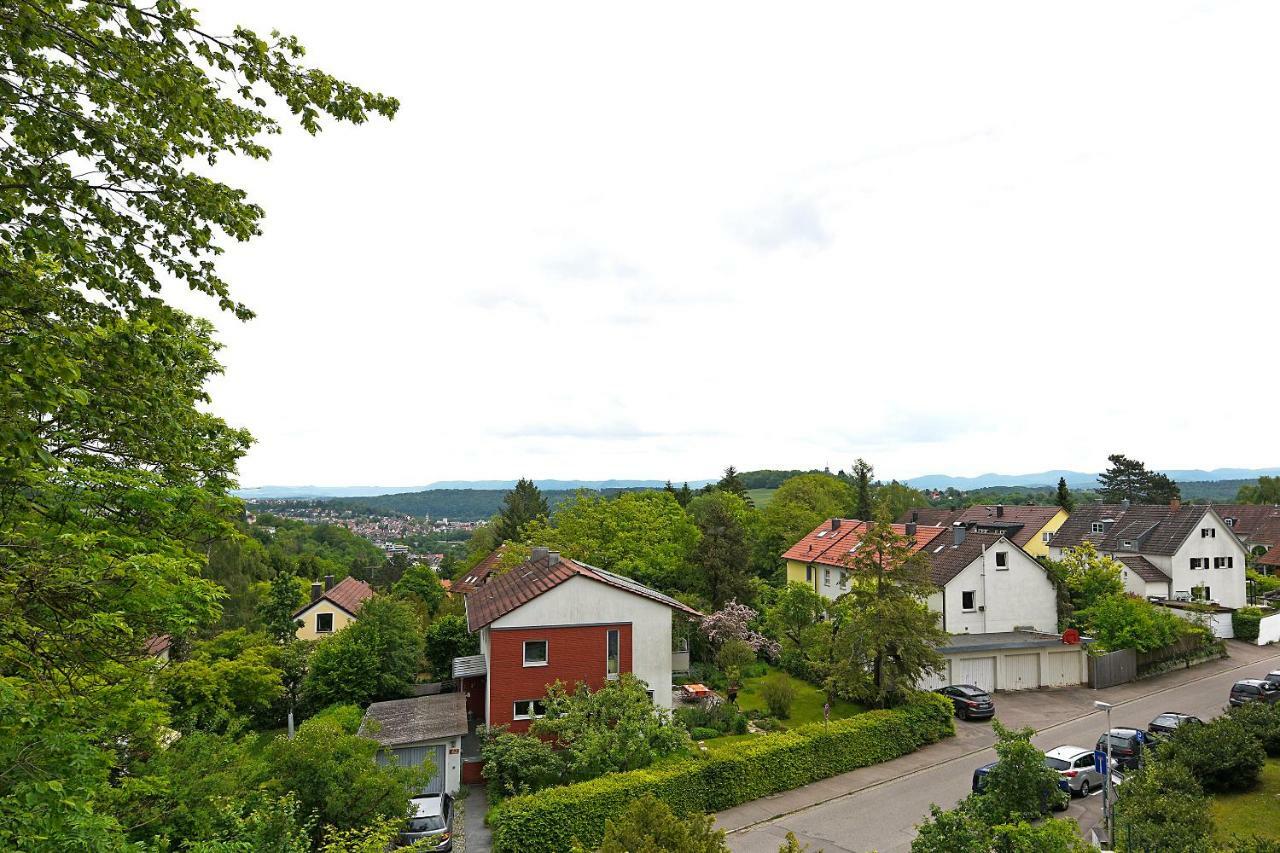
820,560
332,607
1029,527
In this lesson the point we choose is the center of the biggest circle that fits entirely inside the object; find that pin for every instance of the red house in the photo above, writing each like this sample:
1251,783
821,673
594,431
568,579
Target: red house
553,618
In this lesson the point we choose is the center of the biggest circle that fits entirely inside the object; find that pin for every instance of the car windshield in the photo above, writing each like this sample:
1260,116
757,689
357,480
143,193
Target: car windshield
972,691
1119,741
430,823
1057,764
1166,720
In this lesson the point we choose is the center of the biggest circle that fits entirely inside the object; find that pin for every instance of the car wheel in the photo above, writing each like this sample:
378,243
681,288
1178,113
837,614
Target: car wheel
1084,788
962,713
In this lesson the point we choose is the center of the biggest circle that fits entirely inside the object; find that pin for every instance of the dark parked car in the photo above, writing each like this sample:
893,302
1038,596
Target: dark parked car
972,703
1253,690
980,781
432,819
1163,725
1126,747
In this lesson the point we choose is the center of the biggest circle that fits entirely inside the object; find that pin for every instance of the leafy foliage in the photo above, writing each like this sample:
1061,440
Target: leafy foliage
421,581
518,764
1266,491
779,693
447,638
1262,721
1223,755
649,826
520,506
1245,623
722,555
375,657
1020,787
1129,622
1162,807
549,820
1091,576
1128,479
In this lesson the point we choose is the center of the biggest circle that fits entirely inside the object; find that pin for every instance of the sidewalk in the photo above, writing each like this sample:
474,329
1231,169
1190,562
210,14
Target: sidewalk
478,837
1039,709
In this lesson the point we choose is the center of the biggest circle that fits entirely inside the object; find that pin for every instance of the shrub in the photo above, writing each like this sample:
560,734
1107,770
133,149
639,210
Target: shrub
768,724
1222,755
1245,622
649,824
517,764
547,822
740,725
1262,720
699,733
1162,808
708,714
778,693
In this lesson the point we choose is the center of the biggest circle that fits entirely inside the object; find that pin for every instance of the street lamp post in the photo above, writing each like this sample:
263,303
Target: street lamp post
1106,787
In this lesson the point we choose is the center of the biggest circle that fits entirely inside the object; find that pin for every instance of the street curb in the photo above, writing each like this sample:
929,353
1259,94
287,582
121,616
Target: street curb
972,752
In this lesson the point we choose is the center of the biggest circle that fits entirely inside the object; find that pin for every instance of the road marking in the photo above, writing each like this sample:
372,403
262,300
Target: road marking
973,752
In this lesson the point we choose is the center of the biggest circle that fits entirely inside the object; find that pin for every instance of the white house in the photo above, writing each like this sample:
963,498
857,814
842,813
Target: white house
1177,551
989,585
421,730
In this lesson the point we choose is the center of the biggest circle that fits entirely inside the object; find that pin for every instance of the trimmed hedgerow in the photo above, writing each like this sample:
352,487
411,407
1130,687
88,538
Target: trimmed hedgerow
549,821
1245,623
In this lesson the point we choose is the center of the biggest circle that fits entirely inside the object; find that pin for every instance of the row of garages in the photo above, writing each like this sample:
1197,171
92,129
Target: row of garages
1011,660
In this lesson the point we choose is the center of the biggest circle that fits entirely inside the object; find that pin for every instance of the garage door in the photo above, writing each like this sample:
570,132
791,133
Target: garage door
980,672
941,679
1021,672
411,756
1062,669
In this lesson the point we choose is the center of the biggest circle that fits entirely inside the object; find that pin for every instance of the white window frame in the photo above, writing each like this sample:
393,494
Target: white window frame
1097,527
826,577
1046,537
1002,566
531,708
974,600
546,653
328,630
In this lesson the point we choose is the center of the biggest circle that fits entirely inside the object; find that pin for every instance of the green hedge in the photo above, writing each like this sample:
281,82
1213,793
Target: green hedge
1244,623
548,821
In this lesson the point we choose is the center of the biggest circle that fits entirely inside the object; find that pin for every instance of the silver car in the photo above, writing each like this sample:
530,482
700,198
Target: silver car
431,822
1075,765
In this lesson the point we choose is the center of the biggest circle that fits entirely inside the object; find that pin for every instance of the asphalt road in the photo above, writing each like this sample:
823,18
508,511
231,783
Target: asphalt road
882,817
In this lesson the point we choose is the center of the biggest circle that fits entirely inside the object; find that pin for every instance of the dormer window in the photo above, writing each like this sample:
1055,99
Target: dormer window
1128,543
1231,522
1097,527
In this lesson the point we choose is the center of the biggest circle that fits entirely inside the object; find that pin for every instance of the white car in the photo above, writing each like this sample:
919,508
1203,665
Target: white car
1075,765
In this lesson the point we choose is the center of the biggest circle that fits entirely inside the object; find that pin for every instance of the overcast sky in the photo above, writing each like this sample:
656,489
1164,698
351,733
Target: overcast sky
652,240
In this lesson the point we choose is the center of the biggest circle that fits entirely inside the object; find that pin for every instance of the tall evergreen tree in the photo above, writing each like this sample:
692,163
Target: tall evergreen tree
863,504
1129,479
732,482
1064,495
520,506
683,495
723,553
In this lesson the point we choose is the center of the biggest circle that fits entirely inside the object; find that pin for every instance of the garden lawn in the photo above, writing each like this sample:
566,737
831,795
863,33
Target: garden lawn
1255,812
760,497
807,707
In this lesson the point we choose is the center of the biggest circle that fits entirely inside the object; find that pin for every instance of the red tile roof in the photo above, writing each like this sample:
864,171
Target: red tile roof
348,593
503,593
479,573
830,545
1271,558
158,645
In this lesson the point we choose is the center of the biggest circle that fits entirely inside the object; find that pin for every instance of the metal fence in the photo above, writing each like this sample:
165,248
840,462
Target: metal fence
1113,668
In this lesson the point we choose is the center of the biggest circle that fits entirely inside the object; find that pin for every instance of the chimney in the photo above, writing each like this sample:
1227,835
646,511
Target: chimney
835,524
539,553
316,591
915,516
553,557
1124,504
958,531
999,510
1175,504
328,582
911,528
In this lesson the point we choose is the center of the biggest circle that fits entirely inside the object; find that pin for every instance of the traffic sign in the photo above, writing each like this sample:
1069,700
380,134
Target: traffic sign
1100,761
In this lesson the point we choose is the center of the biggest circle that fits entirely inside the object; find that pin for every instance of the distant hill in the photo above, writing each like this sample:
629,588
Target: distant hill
305,492
1078,479
561,485
301,492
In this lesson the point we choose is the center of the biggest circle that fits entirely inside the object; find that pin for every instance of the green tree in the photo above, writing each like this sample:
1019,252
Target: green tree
1127,622
375,657
799,505
806,626
1020,787
863,475
448,638
684,495
732,483
642,535
209,695
1129,479
1267,491
332,772
1047,836
521,505
518,764
1063,498
421,581
648,825
1223,755
1091,576
891,638
894,499
721,557
958,830
283,600
1162,807
613,729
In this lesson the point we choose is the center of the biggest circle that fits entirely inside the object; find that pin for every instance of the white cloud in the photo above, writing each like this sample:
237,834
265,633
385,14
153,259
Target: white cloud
606,241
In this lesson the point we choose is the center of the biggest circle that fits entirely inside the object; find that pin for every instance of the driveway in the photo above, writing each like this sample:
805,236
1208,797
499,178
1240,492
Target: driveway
877,808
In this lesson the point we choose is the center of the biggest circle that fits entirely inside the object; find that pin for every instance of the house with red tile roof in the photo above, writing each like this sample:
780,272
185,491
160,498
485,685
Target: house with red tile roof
1031,528
553,618
821,559
332,607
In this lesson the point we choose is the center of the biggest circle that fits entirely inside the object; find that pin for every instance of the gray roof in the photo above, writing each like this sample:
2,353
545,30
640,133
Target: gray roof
468,666
948,560
1154,529
961,643
1143,568
422,718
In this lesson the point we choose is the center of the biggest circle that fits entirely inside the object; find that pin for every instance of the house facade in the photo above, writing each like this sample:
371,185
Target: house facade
1176,552
989,585
821,559
332,607
556,619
